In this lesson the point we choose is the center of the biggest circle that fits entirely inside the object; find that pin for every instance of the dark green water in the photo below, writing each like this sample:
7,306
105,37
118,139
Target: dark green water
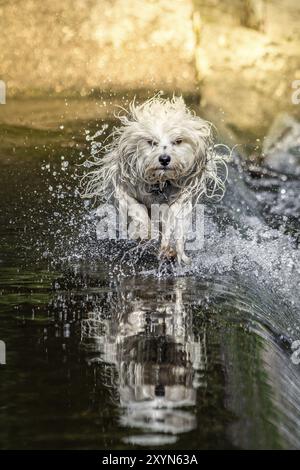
101,355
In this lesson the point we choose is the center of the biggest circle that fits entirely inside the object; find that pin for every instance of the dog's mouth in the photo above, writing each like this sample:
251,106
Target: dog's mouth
163,168
161,173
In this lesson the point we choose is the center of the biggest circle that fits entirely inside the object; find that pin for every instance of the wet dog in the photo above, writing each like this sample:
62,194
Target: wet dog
161,154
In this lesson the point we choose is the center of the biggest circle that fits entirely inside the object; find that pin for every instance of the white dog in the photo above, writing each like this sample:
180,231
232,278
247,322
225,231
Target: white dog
162,153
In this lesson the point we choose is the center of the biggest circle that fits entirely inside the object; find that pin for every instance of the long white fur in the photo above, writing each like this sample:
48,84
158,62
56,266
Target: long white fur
126,163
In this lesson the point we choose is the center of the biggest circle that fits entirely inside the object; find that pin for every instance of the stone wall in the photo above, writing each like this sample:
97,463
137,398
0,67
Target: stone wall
247,57
245,53
80,45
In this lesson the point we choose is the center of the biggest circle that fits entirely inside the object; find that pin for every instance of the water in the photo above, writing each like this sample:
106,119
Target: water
108,351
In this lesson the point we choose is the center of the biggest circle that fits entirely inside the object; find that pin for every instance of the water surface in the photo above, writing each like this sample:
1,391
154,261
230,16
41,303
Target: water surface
108,351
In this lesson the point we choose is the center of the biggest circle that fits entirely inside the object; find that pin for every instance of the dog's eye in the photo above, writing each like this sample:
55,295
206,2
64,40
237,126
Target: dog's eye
177,142
152,143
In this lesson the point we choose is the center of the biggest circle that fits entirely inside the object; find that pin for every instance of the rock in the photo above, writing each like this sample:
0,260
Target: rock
282,146
247,58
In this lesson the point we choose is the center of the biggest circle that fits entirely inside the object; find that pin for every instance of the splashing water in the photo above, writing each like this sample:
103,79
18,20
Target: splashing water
142,352
238,242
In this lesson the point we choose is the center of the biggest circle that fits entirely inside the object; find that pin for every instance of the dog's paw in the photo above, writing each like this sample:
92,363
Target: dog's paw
167,253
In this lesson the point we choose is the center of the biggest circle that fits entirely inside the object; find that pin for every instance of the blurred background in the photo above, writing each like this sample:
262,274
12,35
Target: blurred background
238,58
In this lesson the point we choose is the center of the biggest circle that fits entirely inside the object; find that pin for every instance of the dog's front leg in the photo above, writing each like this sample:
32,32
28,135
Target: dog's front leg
175,226
182,214
166,249
130,208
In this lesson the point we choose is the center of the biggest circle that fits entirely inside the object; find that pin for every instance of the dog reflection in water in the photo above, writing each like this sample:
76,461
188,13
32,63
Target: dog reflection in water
158,359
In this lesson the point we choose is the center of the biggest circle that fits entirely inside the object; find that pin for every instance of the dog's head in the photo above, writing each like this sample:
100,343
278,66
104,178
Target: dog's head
162,139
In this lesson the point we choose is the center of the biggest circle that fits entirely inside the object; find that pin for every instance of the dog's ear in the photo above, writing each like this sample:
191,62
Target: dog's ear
101,181
204,137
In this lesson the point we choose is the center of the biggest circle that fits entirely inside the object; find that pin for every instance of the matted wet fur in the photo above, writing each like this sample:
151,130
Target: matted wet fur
162,153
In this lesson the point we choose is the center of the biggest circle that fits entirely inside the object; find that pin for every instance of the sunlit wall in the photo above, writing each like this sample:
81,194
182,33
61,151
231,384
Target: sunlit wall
84,44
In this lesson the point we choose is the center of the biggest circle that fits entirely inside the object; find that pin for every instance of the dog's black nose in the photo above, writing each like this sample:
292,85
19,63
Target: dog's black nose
164,159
